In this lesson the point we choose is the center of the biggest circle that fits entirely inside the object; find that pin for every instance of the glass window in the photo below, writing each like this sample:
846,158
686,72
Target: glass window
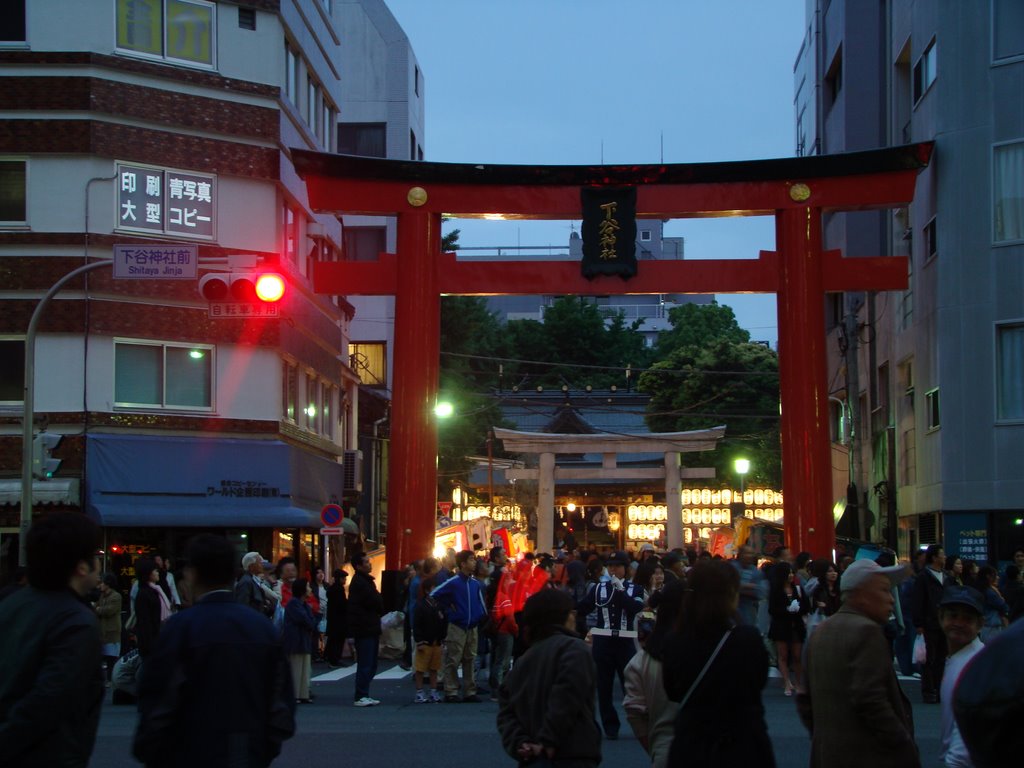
12,22
12,370
155,375
931,404
1010,372
312,402
1008,197
370,361
1007,29
291,75
290,390
12,191
924,71
931,240
365,139
177,30
290,234
247,18
363,243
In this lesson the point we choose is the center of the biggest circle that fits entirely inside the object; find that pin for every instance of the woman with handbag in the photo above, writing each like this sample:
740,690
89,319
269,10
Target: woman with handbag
716,669
787,605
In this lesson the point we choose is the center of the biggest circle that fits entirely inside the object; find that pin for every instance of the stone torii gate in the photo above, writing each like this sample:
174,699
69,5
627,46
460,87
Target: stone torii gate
549,445
796,191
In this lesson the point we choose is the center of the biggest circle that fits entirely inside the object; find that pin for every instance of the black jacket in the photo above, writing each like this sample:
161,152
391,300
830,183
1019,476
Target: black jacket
548,698
217,690
924,600
337,611
723,722
147,619
248,592
51,684
365,606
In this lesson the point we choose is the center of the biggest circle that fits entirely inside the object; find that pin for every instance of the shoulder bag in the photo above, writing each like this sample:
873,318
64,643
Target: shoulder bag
707,666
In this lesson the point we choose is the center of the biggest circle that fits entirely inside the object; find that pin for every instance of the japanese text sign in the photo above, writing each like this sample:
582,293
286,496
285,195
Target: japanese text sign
166,201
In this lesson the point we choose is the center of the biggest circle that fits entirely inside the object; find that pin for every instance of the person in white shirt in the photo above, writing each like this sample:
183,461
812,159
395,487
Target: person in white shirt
960,616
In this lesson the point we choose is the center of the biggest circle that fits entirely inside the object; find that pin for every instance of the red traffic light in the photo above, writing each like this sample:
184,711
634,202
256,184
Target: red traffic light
267,287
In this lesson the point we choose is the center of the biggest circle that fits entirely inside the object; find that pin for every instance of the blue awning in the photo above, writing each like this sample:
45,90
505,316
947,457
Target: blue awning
137,515
143,480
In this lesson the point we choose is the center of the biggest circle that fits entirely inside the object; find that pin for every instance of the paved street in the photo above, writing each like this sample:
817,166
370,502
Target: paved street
399,732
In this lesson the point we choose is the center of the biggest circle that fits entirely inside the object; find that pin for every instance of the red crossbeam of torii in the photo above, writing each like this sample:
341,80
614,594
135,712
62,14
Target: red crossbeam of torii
797,191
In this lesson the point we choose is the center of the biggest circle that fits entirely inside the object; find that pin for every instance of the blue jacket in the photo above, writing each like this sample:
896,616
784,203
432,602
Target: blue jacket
299,624
462,599
216,691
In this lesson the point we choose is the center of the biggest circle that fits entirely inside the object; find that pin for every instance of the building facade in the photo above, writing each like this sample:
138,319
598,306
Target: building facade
929,378
146,123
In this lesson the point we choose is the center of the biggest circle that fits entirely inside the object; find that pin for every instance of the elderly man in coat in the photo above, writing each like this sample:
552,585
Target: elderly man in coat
853,705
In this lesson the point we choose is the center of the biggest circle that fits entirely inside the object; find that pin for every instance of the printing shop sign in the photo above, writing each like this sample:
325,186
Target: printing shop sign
166,201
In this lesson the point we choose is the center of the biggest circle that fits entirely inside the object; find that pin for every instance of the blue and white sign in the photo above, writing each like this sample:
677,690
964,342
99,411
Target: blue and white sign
157,261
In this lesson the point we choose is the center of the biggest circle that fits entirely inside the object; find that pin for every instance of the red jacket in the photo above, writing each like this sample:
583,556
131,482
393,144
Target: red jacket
503,614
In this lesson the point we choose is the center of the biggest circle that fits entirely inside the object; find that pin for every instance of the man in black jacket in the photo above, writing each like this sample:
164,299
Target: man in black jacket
51,682
365,608
249,588
218,689
546,704
925,599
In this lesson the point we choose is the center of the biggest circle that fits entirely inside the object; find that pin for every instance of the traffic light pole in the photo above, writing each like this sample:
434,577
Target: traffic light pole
28,398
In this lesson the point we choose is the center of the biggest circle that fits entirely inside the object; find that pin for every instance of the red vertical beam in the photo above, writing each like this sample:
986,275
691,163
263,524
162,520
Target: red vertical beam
803,376
412,462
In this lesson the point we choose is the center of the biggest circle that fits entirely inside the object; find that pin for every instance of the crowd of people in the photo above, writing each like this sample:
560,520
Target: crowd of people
224,661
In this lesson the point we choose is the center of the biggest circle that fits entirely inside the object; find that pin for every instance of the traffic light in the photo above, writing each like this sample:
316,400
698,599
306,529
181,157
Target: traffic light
43,464
244,287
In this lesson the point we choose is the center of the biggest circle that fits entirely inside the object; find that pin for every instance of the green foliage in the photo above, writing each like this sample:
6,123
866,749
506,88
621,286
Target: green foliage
577,344
721,382
695,325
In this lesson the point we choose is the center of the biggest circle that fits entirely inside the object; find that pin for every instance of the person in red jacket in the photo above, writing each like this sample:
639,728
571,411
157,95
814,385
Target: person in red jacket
503,622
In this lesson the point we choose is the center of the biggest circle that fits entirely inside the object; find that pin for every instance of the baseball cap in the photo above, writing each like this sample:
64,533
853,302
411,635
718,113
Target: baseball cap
860,571
618,558
957,595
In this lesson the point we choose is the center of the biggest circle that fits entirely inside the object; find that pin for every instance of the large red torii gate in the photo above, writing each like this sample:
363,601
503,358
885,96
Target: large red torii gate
795,190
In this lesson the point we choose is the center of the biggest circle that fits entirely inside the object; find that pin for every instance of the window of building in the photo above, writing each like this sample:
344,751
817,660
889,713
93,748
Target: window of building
182,31
908,457
419,154
328,135
312,409
12,370
834,78
291,234
907,298
326,5
416,80
925,71
931,240
13,191
369,360
365,139
12,22
289,389
1007,29
152,374
412,145
247,18
931,404
1008,197
363,243
645,235
330,393
291,75
837,421
1010,372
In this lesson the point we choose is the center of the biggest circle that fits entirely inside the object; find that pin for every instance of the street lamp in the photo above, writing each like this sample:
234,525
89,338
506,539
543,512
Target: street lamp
742,466
444,409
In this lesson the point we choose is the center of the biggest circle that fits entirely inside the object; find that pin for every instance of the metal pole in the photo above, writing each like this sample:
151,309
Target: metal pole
28,398
490,470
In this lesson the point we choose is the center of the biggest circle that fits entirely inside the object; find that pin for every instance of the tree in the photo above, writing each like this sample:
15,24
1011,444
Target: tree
576,344
694,325
721,382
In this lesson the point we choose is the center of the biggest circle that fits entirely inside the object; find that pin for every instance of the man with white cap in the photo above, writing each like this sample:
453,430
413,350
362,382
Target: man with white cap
853,704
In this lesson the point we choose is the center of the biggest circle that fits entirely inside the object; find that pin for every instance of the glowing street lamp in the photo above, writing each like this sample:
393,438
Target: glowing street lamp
742,466
444,410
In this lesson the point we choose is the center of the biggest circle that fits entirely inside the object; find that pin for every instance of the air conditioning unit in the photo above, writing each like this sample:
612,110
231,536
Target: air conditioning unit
353,471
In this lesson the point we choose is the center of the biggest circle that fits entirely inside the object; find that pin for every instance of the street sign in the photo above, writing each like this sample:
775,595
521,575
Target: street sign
156,261
330,531
445,507
238,310
331,516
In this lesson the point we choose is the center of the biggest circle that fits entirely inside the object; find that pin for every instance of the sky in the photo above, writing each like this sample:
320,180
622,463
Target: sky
588,81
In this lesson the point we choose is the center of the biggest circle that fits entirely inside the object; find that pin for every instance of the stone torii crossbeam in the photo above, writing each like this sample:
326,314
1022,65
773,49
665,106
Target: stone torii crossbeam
796,191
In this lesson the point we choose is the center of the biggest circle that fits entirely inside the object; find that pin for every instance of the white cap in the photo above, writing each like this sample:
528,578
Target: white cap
860,571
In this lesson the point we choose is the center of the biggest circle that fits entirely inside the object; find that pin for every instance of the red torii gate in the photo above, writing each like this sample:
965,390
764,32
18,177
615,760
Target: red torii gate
795,190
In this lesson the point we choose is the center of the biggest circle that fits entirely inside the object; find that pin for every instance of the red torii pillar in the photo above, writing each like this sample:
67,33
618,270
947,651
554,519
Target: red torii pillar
795,190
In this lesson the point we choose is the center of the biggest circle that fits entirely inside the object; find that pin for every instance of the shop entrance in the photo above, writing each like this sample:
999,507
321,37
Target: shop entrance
796,191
